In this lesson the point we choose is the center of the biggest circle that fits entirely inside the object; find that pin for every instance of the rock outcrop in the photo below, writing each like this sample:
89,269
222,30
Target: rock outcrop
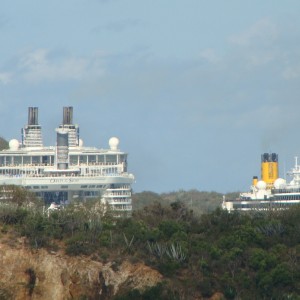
38,274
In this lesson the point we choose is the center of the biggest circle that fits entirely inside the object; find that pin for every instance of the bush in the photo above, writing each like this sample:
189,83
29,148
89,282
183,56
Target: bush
169,267
158,292
170,227
77,245
31,280
5,292
11,214
205,288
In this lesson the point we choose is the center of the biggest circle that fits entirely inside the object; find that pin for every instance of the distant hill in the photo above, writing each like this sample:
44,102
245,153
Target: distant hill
3,143
199,202
162,252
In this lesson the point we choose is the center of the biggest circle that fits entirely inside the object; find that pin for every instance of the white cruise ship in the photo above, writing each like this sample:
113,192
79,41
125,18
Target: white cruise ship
271,192
69,170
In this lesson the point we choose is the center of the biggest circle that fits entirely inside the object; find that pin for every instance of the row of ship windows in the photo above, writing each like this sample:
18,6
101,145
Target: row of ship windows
91,186
275,191
36,187
99,171
122,207
122,200
261,205
74,159
287,197
43,187
62,195
118,194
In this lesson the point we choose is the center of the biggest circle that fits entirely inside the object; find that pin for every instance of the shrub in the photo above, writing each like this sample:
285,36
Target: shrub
77,245
31,280
205,288
5,292
169,267
170,227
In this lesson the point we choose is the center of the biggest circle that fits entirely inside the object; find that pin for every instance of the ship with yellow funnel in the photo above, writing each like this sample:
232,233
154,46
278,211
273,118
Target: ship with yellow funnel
269,192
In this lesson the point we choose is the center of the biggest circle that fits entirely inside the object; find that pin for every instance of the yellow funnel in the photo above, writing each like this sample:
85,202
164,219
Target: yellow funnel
254,180
269,168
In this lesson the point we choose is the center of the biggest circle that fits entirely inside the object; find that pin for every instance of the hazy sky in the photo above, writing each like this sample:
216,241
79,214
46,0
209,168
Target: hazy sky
195,90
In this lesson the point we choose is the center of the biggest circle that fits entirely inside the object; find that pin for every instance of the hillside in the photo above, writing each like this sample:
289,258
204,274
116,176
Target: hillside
162,252
3,144
198,201
48,275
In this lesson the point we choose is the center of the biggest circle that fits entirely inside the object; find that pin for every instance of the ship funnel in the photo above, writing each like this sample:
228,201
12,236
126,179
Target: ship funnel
269,168
33,116
62,152
32,132
254,180
68,115
68,126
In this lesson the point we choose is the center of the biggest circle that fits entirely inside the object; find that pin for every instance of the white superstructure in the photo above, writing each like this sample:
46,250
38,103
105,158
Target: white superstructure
69,170
271,192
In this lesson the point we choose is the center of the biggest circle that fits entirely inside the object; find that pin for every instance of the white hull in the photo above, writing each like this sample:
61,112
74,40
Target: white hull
66,183
280,194
68,170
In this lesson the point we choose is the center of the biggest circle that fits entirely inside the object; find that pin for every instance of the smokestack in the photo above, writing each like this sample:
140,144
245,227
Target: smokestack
62,150
68,125
269,168
68,115
32,132
33,116
254,180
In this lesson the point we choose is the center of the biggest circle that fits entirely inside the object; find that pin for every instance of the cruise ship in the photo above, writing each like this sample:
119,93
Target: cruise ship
67,171
270,192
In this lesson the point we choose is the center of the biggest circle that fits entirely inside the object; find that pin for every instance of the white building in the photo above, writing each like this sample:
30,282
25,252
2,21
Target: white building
270,192
68,170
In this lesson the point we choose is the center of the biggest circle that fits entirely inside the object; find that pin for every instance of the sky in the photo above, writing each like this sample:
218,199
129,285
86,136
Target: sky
195,90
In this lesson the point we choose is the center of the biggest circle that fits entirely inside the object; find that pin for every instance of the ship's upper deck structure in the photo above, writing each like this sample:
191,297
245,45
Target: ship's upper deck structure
68,170
270,192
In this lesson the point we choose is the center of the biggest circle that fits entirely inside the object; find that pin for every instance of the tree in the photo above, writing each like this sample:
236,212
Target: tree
3,144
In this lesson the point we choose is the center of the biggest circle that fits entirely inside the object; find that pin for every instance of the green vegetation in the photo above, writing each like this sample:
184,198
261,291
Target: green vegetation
242,256
31,280
3,144
161,291
199,202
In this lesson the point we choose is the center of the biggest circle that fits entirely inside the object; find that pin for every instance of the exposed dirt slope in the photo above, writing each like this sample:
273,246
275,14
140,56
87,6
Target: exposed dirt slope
38,274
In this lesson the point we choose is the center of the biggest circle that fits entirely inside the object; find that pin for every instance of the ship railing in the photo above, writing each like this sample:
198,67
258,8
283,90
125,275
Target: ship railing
95,164
33,172
123,208
285,191
114,195
120,201
120,188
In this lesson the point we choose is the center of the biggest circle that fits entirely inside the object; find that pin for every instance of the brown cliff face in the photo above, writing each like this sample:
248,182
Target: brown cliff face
38,274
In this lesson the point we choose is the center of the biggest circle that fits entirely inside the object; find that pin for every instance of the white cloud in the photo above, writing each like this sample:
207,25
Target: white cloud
3,21
41,65
263,31
259,45
291,72
5,77
209,55
259,58
118,26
